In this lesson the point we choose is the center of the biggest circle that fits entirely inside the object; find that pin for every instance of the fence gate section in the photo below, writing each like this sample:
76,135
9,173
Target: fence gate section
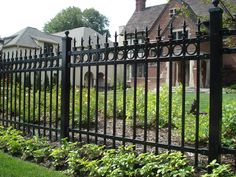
115,94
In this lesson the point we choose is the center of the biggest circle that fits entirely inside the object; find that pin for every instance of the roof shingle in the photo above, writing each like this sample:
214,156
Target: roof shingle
26,38
142,19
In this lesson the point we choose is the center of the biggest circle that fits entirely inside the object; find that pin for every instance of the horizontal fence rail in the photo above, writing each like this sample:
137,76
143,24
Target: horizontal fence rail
116,95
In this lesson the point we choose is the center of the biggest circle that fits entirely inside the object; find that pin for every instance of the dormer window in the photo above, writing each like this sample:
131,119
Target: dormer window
178,34
48,48
172,12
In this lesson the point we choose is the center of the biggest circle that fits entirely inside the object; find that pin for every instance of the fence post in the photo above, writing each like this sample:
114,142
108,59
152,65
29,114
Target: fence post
65,86
216,47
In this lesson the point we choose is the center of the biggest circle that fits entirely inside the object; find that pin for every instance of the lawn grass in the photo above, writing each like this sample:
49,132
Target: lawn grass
13,167
205,100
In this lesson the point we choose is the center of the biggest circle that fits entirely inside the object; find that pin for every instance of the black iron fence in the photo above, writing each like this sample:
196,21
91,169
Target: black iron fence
95,94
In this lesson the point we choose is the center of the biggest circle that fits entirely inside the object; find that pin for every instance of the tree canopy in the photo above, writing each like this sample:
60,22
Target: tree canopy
73,17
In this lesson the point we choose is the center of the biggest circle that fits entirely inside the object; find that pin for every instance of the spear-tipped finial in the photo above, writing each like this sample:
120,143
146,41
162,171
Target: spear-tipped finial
159,30
82,42
98,39
136,34
67,33
125,35
106,38
199,25
89,40
116,35
215,2
146,32
75,42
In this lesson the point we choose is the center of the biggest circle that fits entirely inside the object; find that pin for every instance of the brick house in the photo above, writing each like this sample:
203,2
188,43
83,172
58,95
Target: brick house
164,15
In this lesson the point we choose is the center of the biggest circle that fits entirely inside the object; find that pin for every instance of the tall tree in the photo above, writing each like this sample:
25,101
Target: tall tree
73,17
93,19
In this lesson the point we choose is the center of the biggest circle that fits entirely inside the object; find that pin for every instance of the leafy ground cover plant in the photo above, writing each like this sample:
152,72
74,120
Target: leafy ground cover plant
96,161
221,170
79,159
60,154
12,141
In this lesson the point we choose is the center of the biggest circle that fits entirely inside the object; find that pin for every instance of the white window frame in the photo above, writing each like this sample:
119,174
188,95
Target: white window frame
181,30
172,12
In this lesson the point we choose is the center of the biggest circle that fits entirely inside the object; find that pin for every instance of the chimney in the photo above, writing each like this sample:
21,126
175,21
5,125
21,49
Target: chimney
140,5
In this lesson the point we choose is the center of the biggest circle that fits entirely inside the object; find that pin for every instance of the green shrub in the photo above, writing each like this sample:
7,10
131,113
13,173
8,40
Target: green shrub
221,170
36,149
95,161
59,154
12,141
229,124
79,159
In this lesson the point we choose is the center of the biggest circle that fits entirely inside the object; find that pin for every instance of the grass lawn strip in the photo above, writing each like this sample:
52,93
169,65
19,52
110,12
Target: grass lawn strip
13,167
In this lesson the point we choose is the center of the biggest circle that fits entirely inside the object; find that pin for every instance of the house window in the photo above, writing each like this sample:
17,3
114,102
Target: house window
172,12
178,34
48,48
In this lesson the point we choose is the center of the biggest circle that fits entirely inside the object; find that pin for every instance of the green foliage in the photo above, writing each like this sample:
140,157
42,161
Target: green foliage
125,162
81,113
73,17
95,161
11,141
230,89
14,167
37,149
221,170
227,20
151,106
81,158
229,124
60,154
93,19
166,164
120,162
84,111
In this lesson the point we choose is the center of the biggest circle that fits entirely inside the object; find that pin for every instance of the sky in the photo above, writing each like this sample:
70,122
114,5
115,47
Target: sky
18,14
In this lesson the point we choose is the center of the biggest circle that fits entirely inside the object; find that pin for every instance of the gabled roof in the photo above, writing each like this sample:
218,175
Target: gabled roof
199,8
85,33
142,19
146,18
28,36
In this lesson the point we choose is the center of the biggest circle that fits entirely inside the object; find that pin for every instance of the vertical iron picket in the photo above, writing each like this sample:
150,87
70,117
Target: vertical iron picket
146,54
124,87
105,90
7,89
114,91
170,86
135,55
158,54
39,94
81,90
183,67
73,93
97,90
